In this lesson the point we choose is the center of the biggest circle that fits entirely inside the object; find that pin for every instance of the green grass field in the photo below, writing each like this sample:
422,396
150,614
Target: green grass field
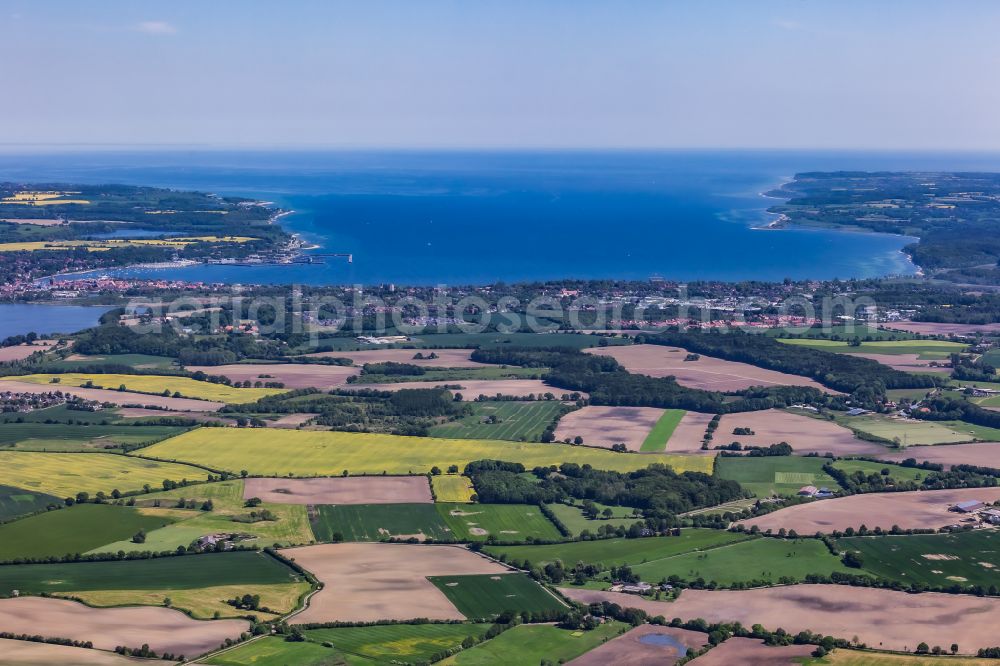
506,522
574,520
374,522
657,438
309,453
965,558
61,437
452,488
518,421
397,643
775,475
275,651
66,474
75,529
62,414
910,432
290,528
161,573
531,644
141,361
486,596
16,502
925,349
607,553
897,472
757,559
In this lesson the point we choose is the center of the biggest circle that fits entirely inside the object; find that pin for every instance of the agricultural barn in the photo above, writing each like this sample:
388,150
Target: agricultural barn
970,506
808,491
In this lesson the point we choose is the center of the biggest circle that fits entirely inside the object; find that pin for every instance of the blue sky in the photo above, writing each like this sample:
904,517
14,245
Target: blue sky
842,74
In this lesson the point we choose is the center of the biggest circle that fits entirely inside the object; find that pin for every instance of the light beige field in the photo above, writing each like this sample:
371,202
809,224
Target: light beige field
446,358
290,420
804,433
26,653
292,375
18,352
627,650
713,374
750,652
164,629
116,397
144,413
935,328
365,582
983,454
37,221
926,509
905,362
688,434
341,490
606,426
473,388
883,619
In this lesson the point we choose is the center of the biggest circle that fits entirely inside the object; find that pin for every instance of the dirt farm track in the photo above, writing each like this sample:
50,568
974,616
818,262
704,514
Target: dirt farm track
880,618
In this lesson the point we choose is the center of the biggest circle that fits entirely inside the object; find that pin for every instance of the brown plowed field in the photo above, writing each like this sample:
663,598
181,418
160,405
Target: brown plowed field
982,454
606,426
750,652
804,433
292,375
117,397
628,650
341,490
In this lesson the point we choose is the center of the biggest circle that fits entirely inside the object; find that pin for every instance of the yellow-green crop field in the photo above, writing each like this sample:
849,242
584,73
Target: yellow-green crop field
66,474
452,488
110,244
319,453
152,384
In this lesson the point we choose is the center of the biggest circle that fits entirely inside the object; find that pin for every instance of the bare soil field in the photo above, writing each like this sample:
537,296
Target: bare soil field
117,397
341,490
364,582
983,454
142,413
605,426
18,352
26,653
713,374
688,434
164,629
936,328
629,650
883,619
750,652
292,375
926,509
291,420
37,221
904,362
446,358
804,433
472,388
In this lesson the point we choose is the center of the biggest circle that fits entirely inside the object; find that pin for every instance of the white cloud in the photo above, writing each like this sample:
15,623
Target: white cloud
156,28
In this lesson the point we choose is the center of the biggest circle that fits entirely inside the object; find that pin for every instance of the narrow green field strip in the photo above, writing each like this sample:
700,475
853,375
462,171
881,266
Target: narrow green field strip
657,438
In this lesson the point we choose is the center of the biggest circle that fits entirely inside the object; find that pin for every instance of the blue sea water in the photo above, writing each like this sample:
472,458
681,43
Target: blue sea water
17,318
478,217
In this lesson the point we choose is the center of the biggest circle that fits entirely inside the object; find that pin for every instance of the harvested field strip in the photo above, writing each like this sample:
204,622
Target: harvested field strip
16,502
161,573
341,490
163,629
27,653
71,530
529,644
307,453
486,596
120,398
515,421
607,553
66,474
374,522
661,432
505,522
152,384
398,643
452,488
